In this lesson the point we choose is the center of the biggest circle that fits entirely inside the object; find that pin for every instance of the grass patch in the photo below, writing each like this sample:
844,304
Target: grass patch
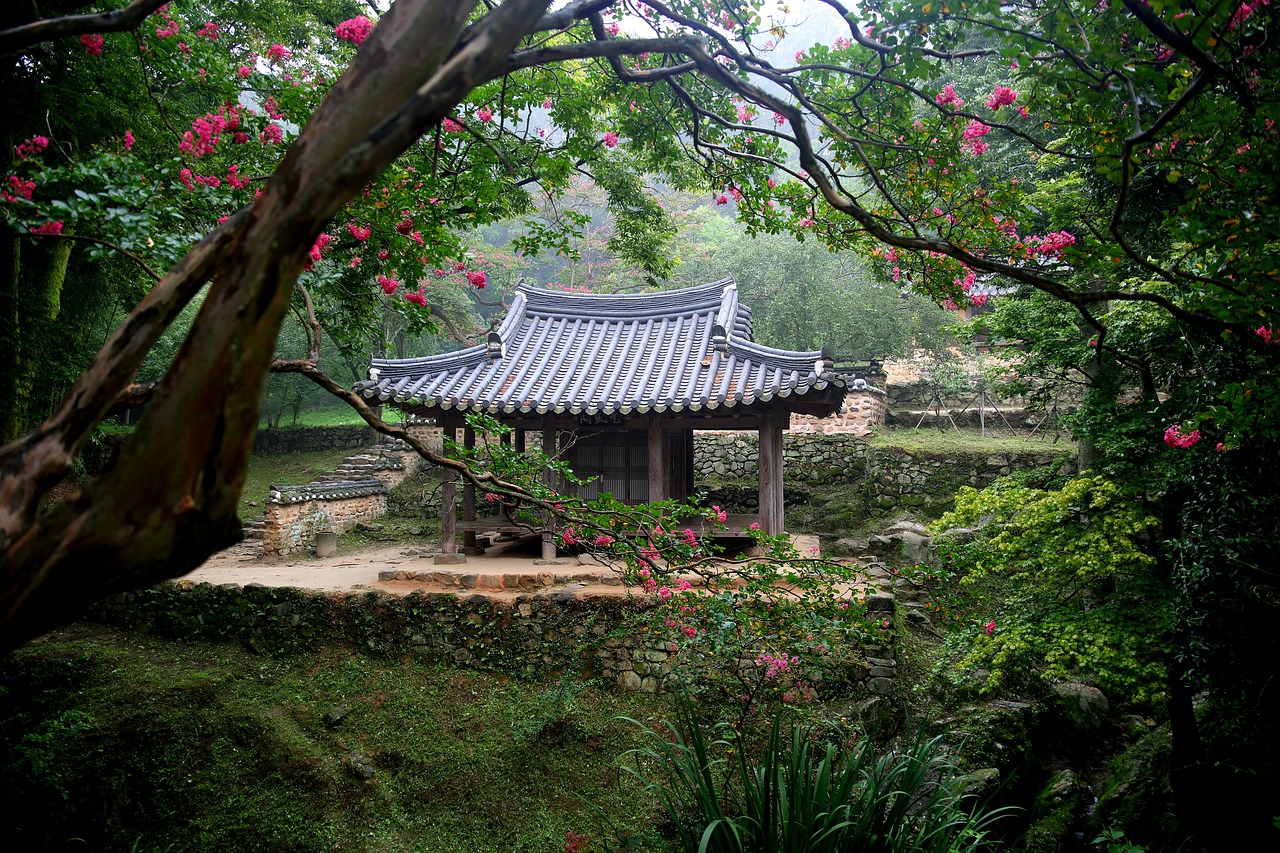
290,469
330,416
970,441
133,742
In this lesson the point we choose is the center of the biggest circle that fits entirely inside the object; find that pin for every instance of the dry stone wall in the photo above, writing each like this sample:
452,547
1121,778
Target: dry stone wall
276,442
727,465
532,635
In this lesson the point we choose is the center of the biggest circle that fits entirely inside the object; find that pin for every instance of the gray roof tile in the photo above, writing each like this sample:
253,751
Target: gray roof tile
557,352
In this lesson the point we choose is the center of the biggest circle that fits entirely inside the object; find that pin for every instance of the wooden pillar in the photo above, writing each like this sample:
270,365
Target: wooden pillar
549,480
520,441
657,460
448,498
469,493
771,521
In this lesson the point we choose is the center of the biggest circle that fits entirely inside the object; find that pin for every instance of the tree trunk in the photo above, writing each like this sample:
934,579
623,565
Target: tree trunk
39,322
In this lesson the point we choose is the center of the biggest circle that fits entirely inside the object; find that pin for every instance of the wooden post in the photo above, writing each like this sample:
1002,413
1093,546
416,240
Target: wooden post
520,441
771,521
469,494
549,480
448,499
657,460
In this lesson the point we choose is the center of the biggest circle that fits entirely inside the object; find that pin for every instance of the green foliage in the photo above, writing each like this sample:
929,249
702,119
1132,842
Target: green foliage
802,795
1073,586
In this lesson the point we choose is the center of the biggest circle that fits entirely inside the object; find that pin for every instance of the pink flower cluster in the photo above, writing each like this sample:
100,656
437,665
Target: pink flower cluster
388,285
973,134
92,43
775,665
948,97
1052,245
207,131
31,147
209,31
169,29
477,279
278,53
19,188
1002,96
48,228
610,139
717,514
1174,437
272,134
418,297
361,233
354,30
1263,332
484,114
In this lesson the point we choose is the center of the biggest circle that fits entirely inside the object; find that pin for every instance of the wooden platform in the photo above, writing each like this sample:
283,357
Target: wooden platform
737,526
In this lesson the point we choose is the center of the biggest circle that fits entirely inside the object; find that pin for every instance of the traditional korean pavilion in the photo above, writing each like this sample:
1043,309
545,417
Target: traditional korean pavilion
619,382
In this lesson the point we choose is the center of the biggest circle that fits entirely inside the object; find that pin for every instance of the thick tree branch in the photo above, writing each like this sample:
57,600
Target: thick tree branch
20,38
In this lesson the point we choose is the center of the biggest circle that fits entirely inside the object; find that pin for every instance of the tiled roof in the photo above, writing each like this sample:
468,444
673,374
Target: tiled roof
318,491
572,352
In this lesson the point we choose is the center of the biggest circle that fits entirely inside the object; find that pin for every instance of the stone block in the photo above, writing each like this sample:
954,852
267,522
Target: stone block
450,559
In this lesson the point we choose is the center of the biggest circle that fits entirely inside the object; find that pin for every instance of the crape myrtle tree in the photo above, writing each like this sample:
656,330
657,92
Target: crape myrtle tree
1118,171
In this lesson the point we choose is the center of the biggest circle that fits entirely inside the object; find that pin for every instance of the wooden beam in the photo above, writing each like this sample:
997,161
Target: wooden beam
469,491
549,480
771,512
449,500
657,459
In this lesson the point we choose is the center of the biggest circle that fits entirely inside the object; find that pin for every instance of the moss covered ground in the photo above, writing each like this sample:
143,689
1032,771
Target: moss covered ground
116,741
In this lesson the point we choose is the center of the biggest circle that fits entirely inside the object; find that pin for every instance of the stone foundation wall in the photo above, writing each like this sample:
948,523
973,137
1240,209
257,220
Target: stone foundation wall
891,478
534,635
291,527
276,442
863,410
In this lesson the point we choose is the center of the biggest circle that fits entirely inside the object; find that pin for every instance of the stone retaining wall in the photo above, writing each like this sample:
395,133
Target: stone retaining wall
532,635
276,442
727,465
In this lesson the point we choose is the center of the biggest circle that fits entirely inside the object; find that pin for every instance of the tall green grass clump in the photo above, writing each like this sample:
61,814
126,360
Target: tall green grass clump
799,796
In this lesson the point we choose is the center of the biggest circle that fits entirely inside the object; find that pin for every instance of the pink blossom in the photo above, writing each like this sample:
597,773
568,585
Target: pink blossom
604,540
612,29
484,114
361,233
683,585
664,592
354,30
546,103
234,179
19,188
31,147
418,298
1174,437
884,624
755,525
271,134
689,538
54,227
1002,96
317,249
1263,332
689,631
717,514
169,29
948,97
355,261
477,280
722,199
1052,245
990,627
388,285
278,53
451,126
745,113
92,43
209,31
610,139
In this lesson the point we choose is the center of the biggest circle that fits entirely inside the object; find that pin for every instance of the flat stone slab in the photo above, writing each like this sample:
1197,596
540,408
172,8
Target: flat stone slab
450,559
